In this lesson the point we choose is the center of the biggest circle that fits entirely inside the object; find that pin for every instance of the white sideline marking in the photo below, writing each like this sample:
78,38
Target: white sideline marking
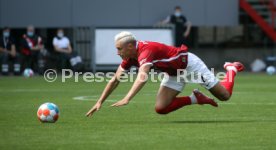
94,98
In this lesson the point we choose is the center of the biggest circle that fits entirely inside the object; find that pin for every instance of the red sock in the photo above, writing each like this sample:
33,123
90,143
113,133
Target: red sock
176,103
228,81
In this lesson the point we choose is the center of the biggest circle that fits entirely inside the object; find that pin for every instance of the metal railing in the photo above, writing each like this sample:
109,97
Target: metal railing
271,7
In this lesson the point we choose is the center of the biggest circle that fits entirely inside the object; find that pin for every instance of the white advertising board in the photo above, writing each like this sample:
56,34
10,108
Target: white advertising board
105,51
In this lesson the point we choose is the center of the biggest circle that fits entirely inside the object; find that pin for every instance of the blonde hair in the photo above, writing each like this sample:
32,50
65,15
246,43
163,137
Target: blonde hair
124,37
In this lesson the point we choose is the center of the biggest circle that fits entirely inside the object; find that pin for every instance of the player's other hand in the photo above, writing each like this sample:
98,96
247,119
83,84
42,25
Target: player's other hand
121,103
95,108
186,34
13,53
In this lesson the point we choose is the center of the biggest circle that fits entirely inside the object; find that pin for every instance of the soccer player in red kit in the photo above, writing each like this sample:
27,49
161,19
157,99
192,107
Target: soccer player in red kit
168,59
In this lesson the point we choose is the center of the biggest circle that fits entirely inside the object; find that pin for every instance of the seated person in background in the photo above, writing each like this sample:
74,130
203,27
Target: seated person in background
8,53
63,47
32,50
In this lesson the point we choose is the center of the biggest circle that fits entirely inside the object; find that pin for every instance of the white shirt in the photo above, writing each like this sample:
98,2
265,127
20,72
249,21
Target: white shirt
61,43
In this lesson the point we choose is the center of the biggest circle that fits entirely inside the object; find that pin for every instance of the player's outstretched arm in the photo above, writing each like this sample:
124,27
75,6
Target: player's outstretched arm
111,85
137,86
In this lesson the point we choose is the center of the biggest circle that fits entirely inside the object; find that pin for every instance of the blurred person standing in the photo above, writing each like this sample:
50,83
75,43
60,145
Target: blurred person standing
8,53
32,50
64,49
182,26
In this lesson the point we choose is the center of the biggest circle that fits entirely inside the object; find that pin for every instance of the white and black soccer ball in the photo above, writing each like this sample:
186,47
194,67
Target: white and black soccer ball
28,73
270,70
48,112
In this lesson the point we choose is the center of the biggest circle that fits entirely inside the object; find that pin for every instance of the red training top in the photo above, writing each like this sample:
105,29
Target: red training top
162,57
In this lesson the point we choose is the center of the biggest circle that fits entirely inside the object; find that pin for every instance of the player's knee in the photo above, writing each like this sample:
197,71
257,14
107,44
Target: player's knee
161,111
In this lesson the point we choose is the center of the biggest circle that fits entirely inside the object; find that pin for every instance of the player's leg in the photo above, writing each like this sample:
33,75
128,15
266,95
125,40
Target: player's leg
223,90
220,92
33,61
16,64
41,61
26,61
197,68
166,100
5,63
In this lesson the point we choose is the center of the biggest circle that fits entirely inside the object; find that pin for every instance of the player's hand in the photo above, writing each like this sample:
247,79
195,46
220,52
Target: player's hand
35,48
67,51
40,47
95,108
6,51
13,53
121,102
186,34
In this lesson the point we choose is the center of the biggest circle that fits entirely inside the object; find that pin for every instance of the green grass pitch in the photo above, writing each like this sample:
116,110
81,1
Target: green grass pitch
246,121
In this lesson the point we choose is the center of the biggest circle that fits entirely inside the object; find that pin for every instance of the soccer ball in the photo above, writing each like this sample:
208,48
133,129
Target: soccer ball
48,112
270,70
28,73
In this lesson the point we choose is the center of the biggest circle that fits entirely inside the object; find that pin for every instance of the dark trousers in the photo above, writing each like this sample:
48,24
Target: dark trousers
5,61
66,59
34,61
180,39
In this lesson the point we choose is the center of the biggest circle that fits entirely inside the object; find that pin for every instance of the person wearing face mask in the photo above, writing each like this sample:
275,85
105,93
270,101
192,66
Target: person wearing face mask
65,52
8,53
182,26
32,50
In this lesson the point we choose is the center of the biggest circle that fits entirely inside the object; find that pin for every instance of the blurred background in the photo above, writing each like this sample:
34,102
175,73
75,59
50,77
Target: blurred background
221,30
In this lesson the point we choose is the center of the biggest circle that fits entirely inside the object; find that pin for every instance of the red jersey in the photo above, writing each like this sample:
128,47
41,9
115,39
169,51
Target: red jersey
29,43
162,57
